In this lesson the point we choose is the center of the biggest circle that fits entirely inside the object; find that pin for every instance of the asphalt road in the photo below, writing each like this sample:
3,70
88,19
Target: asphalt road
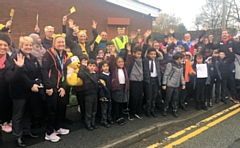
81,138
225,134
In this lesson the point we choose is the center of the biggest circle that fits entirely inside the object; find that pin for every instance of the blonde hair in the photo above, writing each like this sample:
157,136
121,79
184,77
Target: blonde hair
81,32
24,39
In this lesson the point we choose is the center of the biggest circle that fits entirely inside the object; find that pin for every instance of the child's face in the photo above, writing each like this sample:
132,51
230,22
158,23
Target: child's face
195,51
181,49
152,55
99,61
84,62
222,55
109,47
101,52
199,60
120,63
138,54
207,53
163,67
91,67
187,57
179,60
105,68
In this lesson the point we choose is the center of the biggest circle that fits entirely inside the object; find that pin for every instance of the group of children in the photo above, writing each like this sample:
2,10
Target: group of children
144,75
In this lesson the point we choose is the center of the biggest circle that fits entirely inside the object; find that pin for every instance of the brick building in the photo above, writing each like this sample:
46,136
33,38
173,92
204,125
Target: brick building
110,14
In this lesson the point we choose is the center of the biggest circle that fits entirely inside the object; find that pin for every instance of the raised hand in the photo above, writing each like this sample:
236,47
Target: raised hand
71,23
147,33
20,60
94,24
64,20
171,31
205,28
37,29
8,24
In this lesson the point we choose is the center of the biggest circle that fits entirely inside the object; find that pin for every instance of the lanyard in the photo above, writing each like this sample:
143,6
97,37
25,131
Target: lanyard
61,65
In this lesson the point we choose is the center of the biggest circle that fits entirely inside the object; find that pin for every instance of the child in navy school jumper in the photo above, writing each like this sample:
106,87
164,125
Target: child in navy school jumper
90,88
105,95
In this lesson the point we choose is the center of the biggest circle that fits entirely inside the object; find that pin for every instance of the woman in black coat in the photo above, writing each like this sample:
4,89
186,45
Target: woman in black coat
24,92
9,71
54,74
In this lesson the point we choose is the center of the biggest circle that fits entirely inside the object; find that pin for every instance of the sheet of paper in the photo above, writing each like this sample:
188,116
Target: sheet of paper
202,71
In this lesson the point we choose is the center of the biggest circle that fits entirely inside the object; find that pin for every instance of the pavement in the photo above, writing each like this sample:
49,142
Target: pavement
116,136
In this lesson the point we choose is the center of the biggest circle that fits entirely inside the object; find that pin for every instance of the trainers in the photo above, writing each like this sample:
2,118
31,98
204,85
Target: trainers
236,101
62,131
6,128
138,116
53,137
130,118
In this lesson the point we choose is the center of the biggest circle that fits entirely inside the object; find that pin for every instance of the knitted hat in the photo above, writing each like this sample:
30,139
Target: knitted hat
99,56
5,38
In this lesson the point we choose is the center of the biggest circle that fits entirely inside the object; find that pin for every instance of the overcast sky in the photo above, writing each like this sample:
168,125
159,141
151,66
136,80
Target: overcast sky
185,9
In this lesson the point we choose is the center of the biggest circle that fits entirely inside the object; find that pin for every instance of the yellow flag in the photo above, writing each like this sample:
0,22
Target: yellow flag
12,12
37,17
72,10
1,26
98,39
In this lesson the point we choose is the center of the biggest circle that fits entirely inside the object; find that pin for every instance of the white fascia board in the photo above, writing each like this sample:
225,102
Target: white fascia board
135,6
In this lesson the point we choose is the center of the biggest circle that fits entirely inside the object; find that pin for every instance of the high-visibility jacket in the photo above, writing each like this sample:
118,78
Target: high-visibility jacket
119,44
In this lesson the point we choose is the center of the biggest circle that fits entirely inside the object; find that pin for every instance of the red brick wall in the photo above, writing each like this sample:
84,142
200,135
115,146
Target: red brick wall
52,11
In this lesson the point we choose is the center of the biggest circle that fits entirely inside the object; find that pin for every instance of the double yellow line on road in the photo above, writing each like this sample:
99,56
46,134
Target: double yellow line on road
200,130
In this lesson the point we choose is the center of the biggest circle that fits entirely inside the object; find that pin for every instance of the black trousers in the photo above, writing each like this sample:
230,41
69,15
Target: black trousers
217,83
200,90
21,117
224,88
56,107
37,106
136,97
90,109
232,85
106,111
171,96
183,95
118,110
5,109
151,94
1,141
81,102
208,92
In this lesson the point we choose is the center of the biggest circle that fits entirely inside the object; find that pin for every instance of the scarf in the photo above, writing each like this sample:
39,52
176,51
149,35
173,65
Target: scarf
2,61
84,51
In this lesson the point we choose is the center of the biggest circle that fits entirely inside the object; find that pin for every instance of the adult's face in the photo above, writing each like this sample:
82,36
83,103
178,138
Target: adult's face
82,38
121,32
104,36
49,33
187,37
59,43
27,47
225,35
3,47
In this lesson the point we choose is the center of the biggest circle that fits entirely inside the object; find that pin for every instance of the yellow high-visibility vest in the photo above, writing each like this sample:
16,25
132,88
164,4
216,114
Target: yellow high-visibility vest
118,42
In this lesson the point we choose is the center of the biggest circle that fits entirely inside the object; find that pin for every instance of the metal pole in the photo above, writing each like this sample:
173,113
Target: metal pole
224,15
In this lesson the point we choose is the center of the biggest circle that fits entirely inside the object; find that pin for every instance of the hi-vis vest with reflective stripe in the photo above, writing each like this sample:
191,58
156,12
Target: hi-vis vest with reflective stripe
118,42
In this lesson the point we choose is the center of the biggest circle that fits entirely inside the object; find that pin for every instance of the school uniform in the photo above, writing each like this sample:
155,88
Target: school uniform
90,88
172,78
106,106
135,72
120,87
54,74
152,80
23,97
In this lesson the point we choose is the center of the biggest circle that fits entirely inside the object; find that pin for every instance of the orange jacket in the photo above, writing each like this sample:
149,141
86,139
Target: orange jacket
188,70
